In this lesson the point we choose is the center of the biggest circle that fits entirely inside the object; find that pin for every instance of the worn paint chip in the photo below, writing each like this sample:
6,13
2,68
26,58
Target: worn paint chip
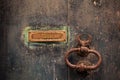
47,36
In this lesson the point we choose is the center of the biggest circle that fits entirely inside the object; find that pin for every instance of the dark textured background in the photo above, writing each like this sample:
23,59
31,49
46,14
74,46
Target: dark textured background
17,62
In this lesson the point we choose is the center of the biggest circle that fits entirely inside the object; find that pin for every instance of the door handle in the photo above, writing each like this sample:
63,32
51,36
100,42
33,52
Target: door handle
83,50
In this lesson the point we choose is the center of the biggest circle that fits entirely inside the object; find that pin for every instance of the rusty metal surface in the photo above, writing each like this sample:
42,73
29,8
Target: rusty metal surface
47,36
21,62
99,19
102,22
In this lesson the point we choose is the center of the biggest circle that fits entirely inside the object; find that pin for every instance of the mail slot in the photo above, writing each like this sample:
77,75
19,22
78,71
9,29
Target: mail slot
47,36
32,37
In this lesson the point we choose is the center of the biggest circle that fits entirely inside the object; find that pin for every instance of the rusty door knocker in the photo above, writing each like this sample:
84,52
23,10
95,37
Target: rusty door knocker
84,51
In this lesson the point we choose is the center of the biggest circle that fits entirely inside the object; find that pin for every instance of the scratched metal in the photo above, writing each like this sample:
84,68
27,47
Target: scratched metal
99,19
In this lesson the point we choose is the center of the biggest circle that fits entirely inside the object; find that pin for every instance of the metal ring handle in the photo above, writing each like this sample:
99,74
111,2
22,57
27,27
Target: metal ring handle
82,66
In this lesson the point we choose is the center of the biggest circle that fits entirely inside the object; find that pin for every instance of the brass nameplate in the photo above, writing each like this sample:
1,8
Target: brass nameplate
47,36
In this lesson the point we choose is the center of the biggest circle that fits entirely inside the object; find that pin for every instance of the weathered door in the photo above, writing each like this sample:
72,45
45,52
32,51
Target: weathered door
99,18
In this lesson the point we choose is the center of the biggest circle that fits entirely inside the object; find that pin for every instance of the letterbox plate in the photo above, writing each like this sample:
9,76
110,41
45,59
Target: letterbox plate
34,37
47,36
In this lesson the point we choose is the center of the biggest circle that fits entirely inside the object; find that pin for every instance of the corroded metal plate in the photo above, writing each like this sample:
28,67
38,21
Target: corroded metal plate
47,36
